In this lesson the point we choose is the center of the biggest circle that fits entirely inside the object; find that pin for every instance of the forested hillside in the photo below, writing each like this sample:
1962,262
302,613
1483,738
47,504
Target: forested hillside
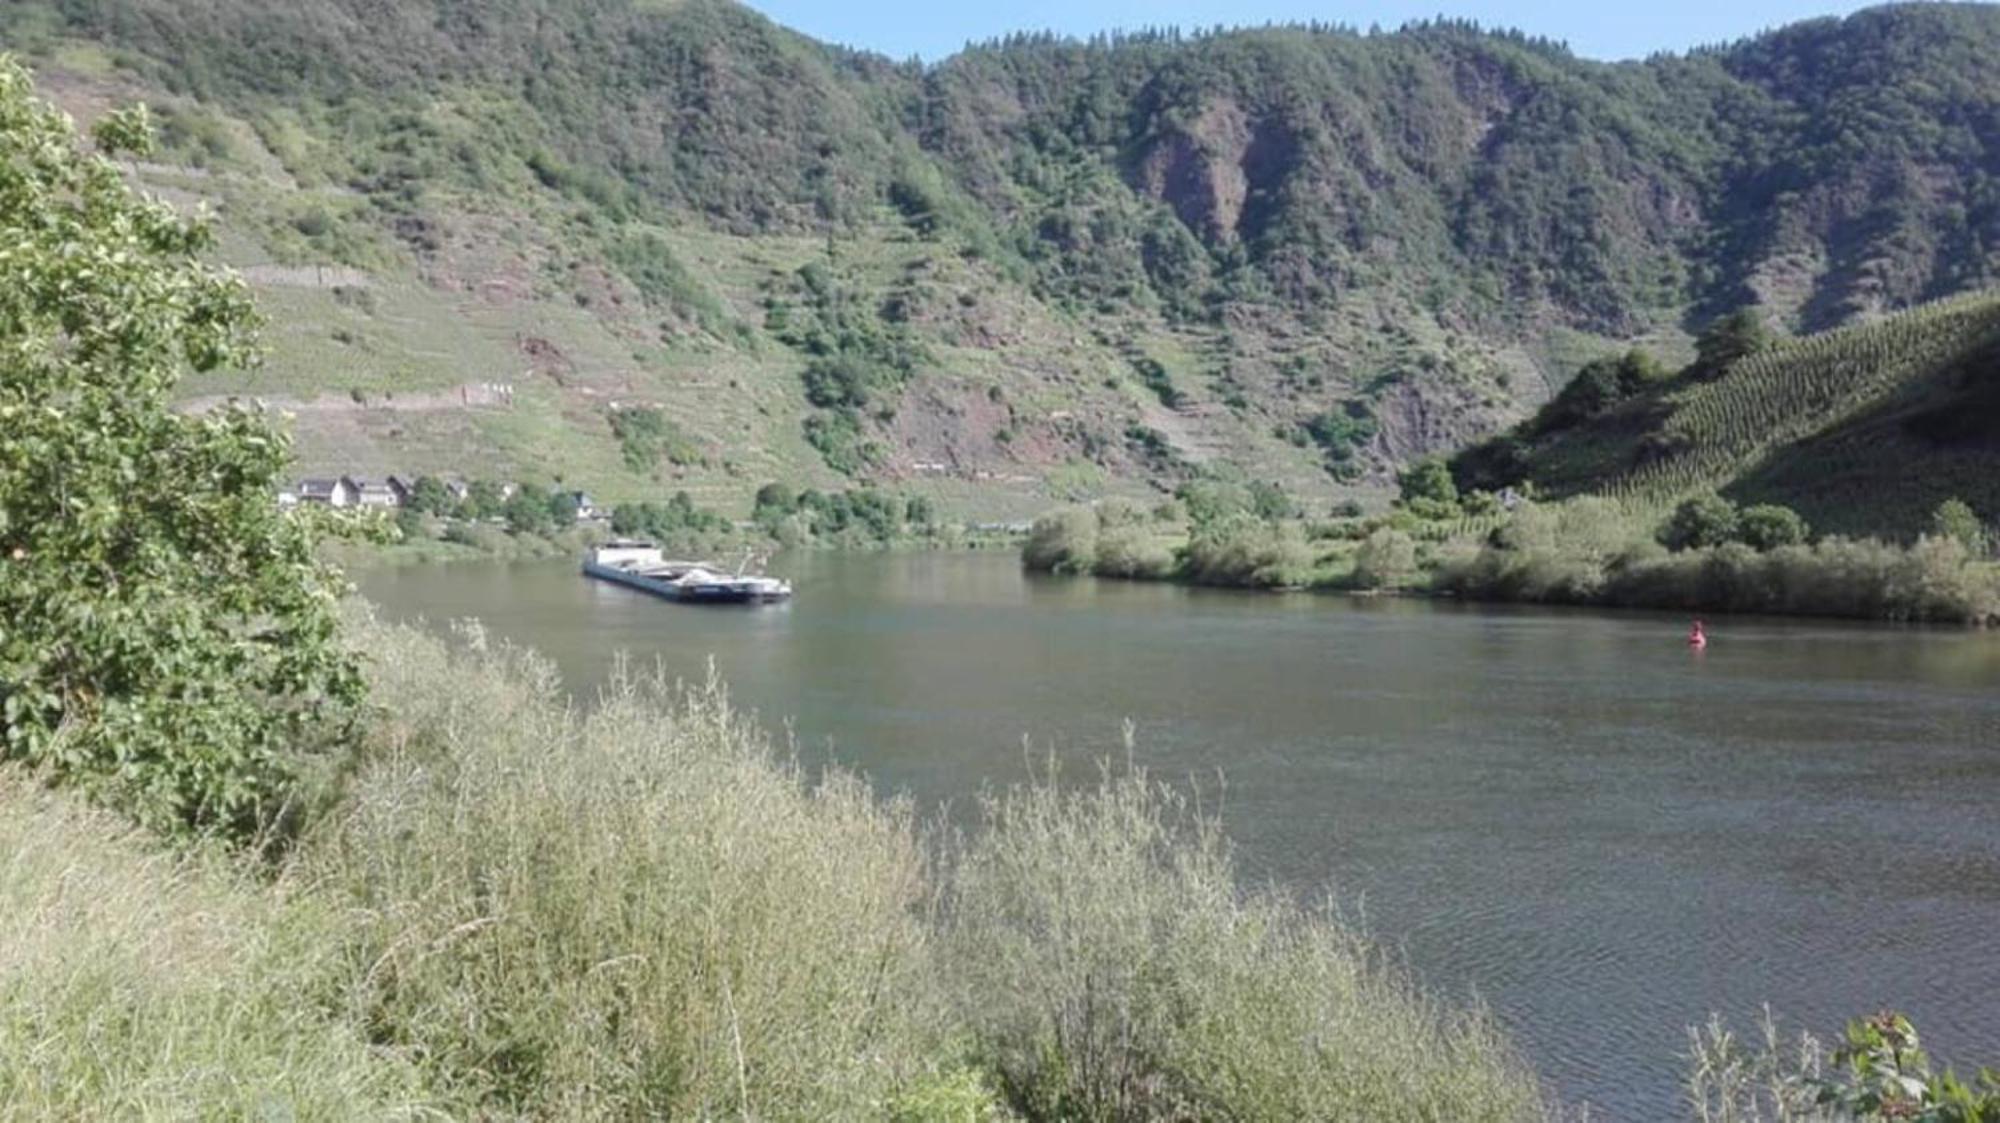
1039,269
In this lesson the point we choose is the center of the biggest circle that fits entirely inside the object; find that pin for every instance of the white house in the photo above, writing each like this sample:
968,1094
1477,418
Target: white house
368,493
340,492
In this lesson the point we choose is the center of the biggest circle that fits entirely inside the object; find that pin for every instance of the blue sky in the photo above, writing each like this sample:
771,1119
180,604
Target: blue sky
1607,29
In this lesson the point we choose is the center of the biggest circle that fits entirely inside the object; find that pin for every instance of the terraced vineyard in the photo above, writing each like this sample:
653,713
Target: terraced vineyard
1864,428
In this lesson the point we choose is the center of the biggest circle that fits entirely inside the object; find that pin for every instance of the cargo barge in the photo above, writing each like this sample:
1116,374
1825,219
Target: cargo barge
641,566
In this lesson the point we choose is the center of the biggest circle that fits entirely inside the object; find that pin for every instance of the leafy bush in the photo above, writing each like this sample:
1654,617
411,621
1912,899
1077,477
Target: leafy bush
1247,552
1933,580
646,436
1341,434
166,634
1729,340
676,522
1879,1074
1387,558
1426,490
1598,385
1063,542
1956,520
841,443
1700,522
536,510
1114,539
1767,526
1157,379
1128,545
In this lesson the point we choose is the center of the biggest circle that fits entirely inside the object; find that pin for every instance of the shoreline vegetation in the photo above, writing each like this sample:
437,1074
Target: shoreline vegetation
523,521
1705,555
1540,555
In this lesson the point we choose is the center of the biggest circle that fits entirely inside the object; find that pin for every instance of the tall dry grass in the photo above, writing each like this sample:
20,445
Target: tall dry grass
1109,967
509,906
1763,1079
634,911
141,984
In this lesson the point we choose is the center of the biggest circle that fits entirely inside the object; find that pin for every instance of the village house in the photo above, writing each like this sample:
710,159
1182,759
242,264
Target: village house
371,494
404,487
337,492
586,507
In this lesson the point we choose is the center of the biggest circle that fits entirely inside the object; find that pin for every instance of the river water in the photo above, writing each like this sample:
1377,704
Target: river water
1570,816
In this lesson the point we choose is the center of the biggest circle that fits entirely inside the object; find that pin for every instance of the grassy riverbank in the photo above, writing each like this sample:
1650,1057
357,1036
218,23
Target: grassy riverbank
499,904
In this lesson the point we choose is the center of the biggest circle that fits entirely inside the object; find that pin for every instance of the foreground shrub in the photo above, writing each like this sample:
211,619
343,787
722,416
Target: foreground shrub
139,985
636,912
165,632
1879,1074
1109,969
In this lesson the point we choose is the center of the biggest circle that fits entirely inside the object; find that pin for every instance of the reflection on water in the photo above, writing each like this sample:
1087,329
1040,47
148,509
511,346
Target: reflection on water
1599,832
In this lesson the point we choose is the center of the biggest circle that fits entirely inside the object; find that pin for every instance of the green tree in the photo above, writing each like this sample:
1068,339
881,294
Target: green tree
484,499
1768,526
1209,501
1599,385
775,498
1728,340
531,510
1427,490
1955,519
166,636
429,496
1270,502
1492,464
1700,522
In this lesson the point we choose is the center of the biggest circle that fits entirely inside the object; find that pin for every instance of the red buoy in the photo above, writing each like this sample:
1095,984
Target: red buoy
1698,635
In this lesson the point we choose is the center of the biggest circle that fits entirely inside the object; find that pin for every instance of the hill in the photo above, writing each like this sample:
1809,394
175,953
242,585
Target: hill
1042,269
1865,429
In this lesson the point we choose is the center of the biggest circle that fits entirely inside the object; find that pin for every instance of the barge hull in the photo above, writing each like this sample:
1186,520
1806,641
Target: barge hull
684,594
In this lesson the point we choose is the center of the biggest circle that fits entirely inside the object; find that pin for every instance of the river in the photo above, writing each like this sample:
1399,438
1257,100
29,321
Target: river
1571,816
